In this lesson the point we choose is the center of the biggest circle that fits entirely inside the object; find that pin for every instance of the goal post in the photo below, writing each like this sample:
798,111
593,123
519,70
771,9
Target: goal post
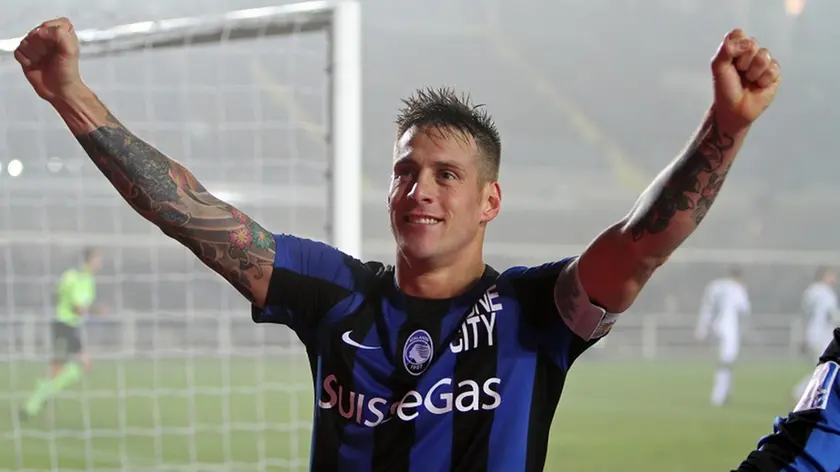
264,105
339,19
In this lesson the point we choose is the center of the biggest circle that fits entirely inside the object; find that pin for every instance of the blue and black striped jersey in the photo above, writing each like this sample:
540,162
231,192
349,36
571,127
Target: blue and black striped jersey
469,383
808,439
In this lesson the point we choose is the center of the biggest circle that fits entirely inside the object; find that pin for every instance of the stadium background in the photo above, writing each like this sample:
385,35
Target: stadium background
592,99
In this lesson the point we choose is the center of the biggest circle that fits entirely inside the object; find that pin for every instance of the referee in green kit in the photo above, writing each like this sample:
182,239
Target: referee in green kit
74,299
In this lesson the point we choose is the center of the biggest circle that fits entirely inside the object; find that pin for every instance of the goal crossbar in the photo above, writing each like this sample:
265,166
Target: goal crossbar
340,19
173,32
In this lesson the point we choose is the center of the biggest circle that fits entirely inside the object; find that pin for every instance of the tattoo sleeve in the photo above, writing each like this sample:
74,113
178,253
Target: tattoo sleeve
681,196
168,195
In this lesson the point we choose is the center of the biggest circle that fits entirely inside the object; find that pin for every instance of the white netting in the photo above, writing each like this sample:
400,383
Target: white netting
182,379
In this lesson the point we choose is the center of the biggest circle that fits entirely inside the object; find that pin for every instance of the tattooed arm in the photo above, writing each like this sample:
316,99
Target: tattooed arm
613,269
618,263
168,195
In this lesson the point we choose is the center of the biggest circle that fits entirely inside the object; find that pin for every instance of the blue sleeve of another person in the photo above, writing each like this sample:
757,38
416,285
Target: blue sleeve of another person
808,439
309,280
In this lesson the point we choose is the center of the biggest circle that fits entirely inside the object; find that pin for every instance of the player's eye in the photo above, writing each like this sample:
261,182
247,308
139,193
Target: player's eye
402,172
447,175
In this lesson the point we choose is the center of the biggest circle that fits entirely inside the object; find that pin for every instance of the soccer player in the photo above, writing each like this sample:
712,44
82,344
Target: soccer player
725,301
819,306
74,298
808,439
439,363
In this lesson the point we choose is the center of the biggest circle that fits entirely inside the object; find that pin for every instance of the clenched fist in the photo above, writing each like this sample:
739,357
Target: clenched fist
49,55
746,78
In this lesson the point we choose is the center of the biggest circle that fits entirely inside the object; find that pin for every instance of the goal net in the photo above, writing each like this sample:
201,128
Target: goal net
263,105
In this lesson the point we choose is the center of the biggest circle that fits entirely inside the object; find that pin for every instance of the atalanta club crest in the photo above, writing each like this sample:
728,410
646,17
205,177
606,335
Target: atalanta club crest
418,352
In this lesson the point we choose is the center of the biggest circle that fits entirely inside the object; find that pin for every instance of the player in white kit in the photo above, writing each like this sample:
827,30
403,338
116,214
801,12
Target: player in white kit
725,301
819,306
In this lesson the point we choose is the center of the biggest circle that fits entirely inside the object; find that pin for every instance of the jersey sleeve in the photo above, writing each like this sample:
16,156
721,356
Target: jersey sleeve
746,307
821,305
809,437
308,281
65,286
555,305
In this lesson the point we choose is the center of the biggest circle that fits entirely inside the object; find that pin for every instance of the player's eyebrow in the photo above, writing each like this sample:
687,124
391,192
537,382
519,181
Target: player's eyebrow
449,165
438,164
403,161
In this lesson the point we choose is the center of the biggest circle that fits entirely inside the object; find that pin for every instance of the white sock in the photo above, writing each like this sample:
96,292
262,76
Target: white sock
720,390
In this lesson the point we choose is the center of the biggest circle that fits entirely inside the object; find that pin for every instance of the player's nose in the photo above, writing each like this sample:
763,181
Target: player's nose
422,189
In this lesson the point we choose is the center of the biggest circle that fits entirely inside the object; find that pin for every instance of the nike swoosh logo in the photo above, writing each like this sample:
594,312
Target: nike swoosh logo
347,340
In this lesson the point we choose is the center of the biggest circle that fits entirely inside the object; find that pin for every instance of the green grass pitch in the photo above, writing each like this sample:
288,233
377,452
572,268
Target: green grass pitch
640,416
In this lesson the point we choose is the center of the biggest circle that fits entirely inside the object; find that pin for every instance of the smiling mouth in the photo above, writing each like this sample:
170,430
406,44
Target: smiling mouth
422,220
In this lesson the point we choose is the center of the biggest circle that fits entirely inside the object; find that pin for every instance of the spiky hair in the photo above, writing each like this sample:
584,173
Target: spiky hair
444,108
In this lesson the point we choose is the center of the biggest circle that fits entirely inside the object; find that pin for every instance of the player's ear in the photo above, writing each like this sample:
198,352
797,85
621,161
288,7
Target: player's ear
492,201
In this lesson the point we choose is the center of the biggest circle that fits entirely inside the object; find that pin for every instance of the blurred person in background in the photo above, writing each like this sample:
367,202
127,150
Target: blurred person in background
820,310
440,358
725,302
808,439
75,298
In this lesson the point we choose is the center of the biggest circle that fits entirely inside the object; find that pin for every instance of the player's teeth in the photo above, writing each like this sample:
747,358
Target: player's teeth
424,221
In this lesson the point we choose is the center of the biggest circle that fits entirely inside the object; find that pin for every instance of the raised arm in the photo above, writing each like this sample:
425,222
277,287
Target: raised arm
169,196
617,264
157,187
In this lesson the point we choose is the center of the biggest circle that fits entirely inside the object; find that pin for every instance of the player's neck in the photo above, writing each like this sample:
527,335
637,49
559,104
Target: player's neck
426,280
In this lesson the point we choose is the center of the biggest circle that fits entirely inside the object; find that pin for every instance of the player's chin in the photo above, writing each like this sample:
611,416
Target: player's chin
418,246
